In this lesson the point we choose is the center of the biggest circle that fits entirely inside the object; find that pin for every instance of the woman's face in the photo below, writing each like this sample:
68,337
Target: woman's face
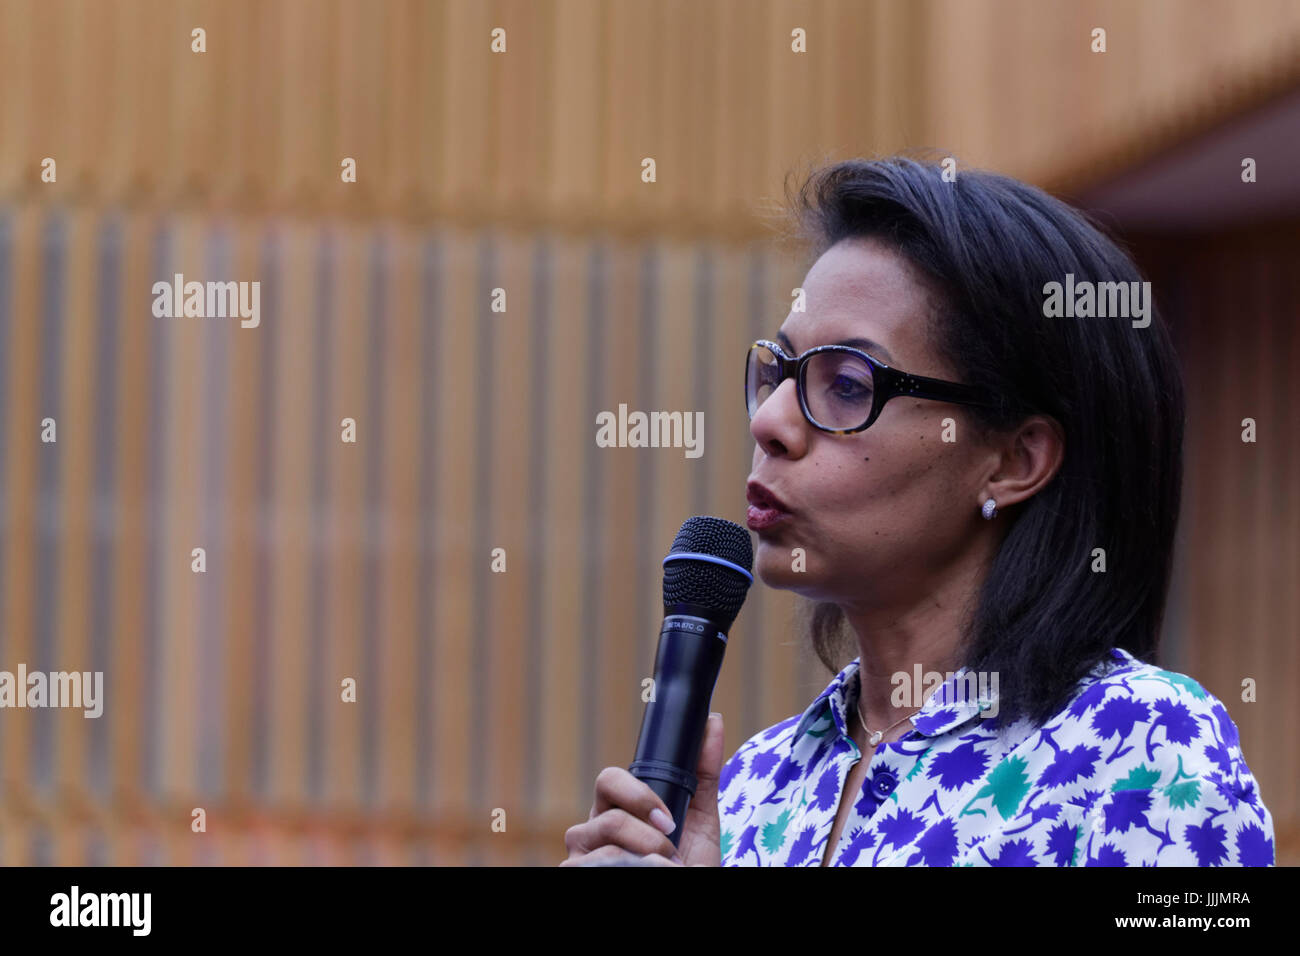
880,514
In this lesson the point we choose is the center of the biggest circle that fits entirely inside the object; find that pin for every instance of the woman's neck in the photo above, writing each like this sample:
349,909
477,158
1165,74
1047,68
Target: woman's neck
895,643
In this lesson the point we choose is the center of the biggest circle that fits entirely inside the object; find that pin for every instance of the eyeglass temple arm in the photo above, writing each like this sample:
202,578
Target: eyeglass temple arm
939,390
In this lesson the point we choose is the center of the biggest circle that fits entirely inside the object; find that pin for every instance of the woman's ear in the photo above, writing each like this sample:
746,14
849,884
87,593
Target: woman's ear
1031,457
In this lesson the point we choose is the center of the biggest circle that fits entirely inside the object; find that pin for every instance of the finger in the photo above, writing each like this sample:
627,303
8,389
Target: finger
601,856
619,828
616,787
616,856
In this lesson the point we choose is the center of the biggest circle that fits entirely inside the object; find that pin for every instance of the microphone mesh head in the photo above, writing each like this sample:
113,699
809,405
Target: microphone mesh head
704,584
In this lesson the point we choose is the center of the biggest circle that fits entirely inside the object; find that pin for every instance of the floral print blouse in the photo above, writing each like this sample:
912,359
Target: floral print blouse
1142,768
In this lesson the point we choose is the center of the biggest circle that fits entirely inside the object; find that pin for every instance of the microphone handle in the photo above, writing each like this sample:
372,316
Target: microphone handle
687,663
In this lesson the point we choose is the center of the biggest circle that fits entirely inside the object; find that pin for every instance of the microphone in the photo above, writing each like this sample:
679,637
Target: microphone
706,578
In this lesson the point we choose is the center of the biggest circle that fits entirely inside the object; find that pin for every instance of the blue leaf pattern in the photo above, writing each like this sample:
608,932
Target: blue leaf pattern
1143,767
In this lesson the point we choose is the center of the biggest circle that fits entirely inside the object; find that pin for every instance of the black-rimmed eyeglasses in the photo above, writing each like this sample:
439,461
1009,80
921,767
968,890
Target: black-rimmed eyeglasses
842,389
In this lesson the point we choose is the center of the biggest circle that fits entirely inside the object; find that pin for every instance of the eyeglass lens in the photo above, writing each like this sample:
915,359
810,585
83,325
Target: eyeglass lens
837,386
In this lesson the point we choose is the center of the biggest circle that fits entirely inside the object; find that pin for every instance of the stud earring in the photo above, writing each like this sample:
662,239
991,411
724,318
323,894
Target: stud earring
989,509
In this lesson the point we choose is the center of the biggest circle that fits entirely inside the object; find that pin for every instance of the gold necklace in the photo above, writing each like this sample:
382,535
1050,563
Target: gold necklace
873,736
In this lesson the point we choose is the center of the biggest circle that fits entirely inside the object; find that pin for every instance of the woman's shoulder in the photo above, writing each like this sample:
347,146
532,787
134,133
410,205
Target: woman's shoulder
1166,760
1125,694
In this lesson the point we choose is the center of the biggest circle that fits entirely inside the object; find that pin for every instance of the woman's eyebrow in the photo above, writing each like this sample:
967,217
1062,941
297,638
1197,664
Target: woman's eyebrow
875,349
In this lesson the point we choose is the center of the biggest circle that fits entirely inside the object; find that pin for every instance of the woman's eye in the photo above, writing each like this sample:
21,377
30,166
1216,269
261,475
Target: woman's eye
849,389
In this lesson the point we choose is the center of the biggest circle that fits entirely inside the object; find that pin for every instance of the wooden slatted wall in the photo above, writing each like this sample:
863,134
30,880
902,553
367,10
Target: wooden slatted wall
477,690
1232,297
554,130
325,560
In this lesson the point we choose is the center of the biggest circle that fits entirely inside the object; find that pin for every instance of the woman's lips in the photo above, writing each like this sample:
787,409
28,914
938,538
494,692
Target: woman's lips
760,519
765,508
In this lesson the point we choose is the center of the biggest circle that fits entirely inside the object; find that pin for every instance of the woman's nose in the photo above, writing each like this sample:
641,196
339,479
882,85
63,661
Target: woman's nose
778,426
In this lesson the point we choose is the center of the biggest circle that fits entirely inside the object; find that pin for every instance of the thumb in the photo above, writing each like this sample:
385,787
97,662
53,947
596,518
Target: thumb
710,765
702,834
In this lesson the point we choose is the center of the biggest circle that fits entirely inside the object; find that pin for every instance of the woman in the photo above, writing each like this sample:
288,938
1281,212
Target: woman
979,497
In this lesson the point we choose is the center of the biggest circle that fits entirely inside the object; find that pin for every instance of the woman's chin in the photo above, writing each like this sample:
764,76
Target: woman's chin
781,567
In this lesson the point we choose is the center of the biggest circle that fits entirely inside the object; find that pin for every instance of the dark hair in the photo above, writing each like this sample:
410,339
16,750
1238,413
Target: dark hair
988,245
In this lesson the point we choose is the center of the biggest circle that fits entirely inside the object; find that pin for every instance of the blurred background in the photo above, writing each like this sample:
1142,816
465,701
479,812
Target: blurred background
485,695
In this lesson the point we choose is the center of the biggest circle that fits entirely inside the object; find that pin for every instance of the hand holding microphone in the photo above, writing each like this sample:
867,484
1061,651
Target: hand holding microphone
619,831
680,750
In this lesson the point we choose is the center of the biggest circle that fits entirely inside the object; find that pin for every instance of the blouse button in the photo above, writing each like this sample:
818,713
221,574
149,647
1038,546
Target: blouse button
883,783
